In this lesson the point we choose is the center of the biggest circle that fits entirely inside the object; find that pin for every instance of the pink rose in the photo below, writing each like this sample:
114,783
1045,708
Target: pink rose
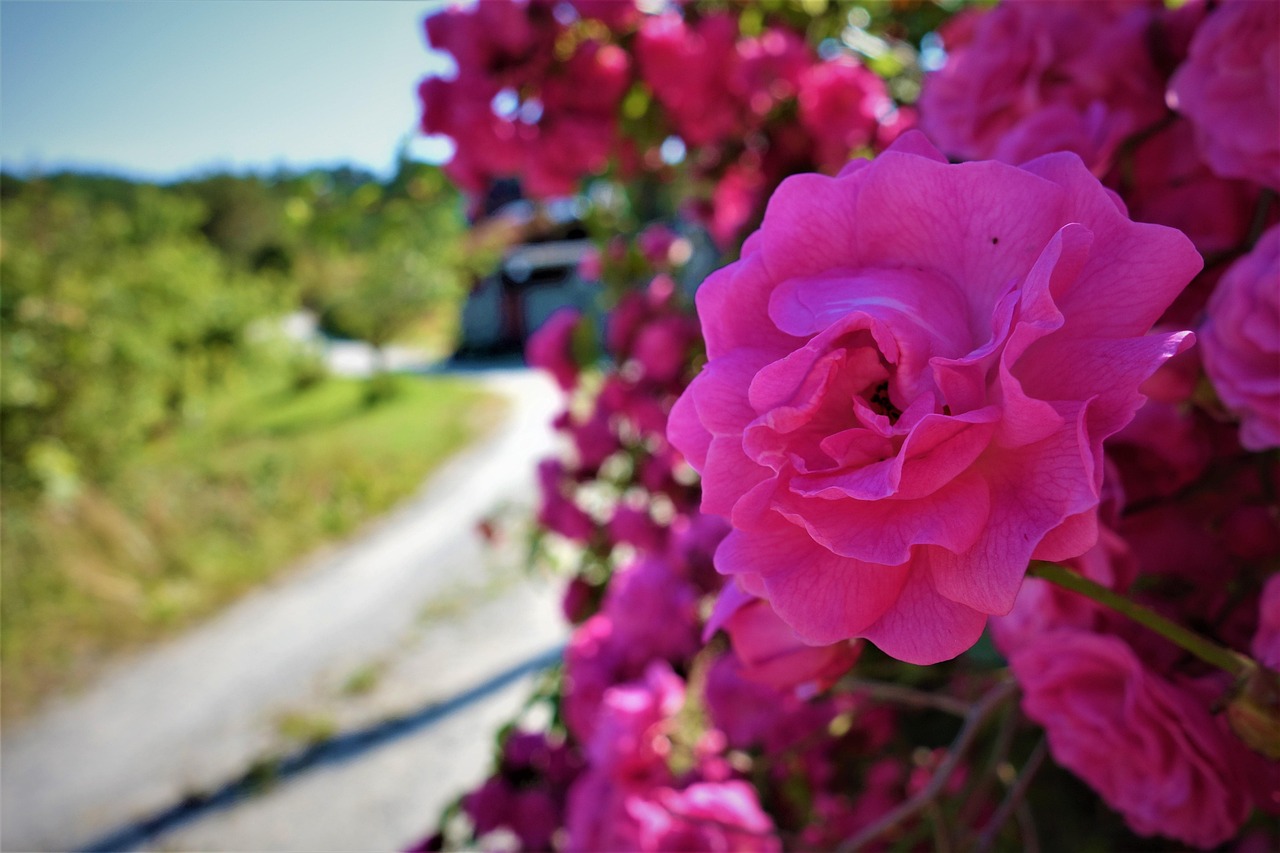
593,662
771,653
634,719
1229,88
746,711
528,793
487,145
1150,748
551,347
1043,606
1166,182
532,814
634,526
616,815
769,68
705,816
735,200
646,593
508,39
911,372
662,347
655,243
688,68
1025,79
557,511
1241,339
841,103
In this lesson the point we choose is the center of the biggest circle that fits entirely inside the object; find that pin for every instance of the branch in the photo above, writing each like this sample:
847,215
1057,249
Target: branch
973,721
1012,801
897,694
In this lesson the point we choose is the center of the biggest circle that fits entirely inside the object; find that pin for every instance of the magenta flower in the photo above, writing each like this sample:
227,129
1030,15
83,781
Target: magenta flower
688,68
911,372
1025,79
705,816
1229,88
770,651
841,104
769,68
607,814
1148,746
1242,342
551,347
634,719
1166,182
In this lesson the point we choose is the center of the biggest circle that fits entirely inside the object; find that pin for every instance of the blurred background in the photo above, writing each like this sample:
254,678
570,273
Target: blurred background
234,281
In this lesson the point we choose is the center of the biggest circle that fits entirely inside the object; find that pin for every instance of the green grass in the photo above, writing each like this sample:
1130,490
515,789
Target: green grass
306,728
201,516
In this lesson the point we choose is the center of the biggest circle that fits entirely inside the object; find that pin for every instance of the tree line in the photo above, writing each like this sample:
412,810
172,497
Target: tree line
125,304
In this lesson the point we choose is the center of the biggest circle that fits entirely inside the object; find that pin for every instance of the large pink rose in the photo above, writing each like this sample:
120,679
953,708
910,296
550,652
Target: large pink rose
1229,88
1149,747
1242,342
911,372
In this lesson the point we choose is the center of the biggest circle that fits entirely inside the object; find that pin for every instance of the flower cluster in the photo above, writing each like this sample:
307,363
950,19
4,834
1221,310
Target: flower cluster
540,88
512,108
921,408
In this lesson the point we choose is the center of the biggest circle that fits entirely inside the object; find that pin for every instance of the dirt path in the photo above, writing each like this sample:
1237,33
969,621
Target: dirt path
196,712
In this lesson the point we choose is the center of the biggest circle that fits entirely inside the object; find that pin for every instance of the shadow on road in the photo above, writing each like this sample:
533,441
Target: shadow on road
335,750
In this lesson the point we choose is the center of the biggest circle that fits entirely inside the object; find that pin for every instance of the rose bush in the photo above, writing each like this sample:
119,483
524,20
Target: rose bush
910,374
885,416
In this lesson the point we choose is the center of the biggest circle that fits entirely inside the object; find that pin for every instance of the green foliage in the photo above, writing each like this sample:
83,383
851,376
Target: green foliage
127,304
205,513
114,320
412,256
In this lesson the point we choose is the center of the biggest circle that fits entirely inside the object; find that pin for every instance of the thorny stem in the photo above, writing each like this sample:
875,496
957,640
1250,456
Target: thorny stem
1208,651
897,694
973,722
1012,801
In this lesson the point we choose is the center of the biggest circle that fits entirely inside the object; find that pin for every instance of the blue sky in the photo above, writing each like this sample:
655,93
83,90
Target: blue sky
164,89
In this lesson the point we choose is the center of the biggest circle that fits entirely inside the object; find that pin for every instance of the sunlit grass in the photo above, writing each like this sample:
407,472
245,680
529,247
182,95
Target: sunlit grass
207,512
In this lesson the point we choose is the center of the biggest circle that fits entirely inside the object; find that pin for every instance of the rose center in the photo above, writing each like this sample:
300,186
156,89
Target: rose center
879,402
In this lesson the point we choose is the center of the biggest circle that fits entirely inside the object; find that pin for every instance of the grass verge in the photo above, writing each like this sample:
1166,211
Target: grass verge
203,515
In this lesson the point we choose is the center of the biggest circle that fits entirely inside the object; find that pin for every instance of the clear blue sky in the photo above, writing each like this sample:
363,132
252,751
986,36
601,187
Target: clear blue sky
164,89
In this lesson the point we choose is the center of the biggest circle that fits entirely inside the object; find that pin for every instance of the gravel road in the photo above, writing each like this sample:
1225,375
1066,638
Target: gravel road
415,613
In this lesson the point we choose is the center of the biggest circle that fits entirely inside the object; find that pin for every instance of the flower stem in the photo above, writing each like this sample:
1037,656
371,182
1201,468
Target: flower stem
1232,662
